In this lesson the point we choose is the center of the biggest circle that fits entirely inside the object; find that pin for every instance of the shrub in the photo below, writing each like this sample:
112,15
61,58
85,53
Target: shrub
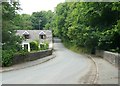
22,52
44,46
7,57
34,45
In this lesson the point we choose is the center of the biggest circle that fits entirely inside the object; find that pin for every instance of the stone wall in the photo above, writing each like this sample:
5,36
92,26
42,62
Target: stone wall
99,53
111,57
31,56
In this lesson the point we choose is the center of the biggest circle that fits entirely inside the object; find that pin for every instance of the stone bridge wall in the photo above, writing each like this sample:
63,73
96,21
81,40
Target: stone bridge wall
111,57
31,56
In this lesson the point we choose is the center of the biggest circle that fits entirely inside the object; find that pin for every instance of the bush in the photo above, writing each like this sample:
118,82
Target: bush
22,52
44,46
7,57
34,45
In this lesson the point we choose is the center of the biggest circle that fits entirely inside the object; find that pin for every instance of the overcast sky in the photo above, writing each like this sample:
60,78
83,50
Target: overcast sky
30,6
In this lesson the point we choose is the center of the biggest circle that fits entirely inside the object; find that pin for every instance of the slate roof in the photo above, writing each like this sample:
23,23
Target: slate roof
34,34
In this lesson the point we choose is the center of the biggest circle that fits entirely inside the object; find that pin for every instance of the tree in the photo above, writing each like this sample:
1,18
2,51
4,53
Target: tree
8,33
10,42
41,19
23,22
91,25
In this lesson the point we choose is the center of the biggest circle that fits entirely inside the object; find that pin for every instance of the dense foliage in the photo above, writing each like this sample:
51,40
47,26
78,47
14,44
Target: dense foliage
91,25
41,20
10,42
34,45
36,21
44,46
23,22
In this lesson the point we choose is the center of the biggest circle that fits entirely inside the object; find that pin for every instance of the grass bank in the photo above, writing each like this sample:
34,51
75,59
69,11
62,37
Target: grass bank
76,49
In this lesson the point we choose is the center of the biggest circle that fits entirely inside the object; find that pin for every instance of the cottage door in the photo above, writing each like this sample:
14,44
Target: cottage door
26,47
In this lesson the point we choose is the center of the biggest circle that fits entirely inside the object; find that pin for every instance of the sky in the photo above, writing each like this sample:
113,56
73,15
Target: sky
29,6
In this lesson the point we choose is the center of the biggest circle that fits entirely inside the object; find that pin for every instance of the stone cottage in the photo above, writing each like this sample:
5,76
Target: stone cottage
32,35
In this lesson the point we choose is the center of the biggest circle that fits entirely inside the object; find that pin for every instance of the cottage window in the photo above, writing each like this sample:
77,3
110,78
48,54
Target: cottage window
26,36
43,36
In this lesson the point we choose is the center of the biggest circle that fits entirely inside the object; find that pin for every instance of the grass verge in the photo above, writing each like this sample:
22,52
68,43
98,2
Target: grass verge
76,49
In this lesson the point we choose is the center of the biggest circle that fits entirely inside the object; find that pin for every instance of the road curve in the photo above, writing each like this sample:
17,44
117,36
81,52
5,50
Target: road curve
66,68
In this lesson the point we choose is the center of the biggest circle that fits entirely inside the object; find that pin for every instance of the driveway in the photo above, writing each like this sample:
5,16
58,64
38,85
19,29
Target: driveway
66,68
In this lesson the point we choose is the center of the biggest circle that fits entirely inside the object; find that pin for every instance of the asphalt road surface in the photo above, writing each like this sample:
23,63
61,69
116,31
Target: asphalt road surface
66,68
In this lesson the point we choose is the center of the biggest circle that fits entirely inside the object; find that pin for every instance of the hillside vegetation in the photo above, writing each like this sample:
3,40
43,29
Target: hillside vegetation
92,25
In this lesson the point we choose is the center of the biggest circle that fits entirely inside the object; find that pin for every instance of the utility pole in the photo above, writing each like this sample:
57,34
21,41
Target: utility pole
39,24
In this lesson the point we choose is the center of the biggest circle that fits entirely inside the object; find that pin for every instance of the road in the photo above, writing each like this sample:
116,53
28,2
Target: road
66,68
